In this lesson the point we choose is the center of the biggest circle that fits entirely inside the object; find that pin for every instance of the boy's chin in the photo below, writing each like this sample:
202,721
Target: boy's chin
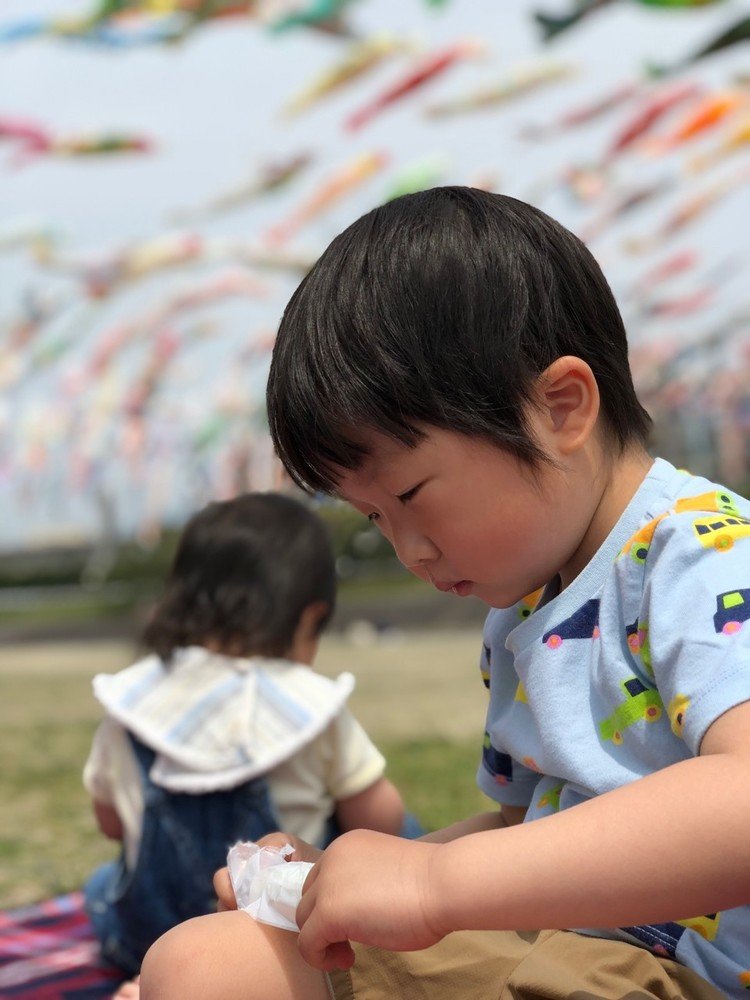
495,599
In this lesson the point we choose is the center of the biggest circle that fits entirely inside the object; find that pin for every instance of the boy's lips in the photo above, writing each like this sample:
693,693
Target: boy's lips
459,587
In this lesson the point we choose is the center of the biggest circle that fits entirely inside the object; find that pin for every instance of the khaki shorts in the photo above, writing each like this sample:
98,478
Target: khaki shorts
505,965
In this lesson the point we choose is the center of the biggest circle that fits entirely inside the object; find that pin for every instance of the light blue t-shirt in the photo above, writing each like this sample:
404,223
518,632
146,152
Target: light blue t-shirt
622,673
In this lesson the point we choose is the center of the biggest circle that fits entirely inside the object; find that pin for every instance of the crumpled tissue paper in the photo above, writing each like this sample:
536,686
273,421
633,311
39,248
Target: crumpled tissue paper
265,885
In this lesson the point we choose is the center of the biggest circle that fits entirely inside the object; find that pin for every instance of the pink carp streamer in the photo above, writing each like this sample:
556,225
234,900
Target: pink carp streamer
33,140
427,69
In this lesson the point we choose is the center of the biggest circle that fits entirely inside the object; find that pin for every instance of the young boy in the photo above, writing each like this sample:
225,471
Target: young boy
455,367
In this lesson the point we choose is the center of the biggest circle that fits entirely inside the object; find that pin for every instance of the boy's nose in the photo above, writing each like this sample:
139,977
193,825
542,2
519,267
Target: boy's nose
414,550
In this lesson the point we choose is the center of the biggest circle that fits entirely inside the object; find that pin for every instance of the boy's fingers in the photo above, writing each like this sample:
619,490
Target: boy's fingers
224,891
321,954
307,902
314,946
310,880
339,956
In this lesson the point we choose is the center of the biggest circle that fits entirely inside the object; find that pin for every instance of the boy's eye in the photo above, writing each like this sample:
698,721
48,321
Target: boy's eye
405,497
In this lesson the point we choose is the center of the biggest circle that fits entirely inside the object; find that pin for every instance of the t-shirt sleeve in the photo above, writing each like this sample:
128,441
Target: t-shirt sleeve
97,771
101,769
696,613
353,761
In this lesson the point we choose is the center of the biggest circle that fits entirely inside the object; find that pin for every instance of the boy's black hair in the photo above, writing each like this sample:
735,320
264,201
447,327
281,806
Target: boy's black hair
441,308
243,573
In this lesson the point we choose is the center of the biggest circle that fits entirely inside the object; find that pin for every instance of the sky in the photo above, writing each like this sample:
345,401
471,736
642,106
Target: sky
70,463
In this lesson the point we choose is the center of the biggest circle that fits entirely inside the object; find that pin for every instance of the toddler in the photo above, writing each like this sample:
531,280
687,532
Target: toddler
224,732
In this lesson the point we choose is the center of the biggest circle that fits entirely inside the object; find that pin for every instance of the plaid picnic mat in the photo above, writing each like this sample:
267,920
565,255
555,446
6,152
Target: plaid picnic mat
48,952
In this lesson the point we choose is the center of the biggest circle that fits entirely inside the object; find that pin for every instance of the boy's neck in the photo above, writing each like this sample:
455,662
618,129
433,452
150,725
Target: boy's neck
620,483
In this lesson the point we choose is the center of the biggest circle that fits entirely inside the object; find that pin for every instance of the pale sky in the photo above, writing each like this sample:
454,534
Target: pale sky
212,106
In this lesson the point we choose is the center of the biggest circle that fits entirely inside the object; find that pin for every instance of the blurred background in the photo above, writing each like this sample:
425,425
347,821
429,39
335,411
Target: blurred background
170,169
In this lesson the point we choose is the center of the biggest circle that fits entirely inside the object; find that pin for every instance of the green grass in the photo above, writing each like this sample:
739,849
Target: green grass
436,779
49,841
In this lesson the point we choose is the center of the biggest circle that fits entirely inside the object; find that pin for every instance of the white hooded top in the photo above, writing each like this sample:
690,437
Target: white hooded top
217,721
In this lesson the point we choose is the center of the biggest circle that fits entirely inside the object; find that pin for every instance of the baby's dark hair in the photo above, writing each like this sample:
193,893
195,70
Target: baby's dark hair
243,573
441,308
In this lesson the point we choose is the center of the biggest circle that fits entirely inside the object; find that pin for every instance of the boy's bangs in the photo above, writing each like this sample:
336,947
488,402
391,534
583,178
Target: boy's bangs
331,384
329,439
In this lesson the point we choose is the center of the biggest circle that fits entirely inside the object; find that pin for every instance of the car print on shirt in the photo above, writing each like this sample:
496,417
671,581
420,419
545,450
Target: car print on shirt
484,665
527,605
500,765
720,533
551,798
637,639
664,938
637,545
642,703
732,611
719,501
584,624
676,711
707,926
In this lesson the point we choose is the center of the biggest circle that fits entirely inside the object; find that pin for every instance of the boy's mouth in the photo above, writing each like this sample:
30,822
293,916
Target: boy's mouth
459,587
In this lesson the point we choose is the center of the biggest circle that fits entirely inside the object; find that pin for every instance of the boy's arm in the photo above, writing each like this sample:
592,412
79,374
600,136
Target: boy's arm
378,807
665,847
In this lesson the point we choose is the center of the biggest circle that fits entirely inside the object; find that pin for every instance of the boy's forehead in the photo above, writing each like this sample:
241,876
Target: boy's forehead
383,455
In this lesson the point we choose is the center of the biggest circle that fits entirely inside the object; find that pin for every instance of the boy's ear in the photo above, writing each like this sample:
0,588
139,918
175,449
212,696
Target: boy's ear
569,398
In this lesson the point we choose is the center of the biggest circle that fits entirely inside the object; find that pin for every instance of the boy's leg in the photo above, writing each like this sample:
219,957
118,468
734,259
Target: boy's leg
504,965
228,956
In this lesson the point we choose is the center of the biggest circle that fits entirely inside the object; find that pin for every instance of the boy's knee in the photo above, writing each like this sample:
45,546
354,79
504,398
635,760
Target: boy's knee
228,956
178,964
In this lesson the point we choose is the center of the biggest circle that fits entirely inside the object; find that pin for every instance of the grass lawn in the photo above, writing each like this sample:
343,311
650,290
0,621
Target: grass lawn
48,839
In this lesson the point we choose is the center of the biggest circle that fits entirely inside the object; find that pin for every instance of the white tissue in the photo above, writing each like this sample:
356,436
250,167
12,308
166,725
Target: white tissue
265,885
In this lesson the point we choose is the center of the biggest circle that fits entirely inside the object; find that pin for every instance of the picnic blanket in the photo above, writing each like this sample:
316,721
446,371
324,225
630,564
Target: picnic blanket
48,952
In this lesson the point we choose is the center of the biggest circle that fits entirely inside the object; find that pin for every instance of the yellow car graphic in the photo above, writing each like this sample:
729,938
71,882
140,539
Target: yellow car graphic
676,712
720,533
722,503
707,926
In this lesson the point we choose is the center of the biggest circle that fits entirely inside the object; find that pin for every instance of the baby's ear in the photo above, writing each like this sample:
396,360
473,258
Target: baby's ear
310,620
304,644
569,395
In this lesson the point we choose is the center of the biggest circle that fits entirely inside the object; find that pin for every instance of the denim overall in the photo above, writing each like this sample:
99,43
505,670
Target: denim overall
184,840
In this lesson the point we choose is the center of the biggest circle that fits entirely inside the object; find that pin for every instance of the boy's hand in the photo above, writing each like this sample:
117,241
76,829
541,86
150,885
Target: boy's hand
373,888
302,852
